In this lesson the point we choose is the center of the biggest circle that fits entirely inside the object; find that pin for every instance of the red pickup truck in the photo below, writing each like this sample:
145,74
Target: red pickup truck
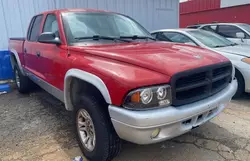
118,80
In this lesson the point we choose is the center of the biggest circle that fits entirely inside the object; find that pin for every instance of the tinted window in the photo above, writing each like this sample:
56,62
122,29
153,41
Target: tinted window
30,26
228,31
210,28
51,24
162,37
154,35
193,27
177,37
35,28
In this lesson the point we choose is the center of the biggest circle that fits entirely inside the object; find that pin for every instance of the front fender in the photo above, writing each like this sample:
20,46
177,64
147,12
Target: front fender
114,79
88,77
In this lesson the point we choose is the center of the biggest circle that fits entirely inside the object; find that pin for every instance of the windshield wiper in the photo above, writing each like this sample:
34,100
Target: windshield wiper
98,37
134,37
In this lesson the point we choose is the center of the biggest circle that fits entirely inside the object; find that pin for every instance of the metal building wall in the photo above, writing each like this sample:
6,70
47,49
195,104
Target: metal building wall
153,14
199,5
235,14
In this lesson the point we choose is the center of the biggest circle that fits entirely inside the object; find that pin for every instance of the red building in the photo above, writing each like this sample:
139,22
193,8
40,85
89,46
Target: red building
208,11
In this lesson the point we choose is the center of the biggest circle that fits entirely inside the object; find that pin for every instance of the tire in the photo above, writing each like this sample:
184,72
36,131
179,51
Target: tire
241,84
107,143
23,83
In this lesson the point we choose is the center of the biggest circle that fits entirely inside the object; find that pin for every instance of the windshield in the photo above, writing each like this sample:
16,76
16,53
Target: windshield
210,39
81,24
245,27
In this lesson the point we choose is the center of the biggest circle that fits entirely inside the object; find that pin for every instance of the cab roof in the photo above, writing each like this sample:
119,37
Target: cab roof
75,10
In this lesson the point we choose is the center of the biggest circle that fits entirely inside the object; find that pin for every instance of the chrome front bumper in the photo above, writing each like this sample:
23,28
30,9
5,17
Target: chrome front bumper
138,126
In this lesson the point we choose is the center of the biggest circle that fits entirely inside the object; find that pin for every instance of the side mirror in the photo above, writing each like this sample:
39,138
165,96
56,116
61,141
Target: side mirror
50,38
240,35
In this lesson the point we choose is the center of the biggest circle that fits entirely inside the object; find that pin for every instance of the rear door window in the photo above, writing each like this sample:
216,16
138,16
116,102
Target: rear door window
30,26
34,33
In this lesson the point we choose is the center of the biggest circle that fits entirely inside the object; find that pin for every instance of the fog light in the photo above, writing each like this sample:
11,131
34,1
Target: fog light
155,133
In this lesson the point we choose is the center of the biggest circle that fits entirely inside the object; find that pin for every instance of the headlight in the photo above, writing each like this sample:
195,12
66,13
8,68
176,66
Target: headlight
151,97
246,60
146,96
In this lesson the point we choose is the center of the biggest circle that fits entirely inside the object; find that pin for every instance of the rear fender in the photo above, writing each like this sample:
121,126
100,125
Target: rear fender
14,58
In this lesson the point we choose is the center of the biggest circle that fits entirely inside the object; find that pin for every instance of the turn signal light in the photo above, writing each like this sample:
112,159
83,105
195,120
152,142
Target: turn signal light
136,97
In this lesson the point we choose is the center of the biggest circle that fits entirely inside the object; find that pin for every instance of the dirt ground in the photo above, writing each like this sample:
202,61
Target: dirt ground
36,127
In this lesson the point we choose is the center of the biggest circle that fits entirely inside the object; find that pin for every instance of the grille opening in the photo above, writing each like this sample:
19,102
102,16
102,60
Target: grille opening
187,122
197,84
221,71
210,113
190,93
199,118
220,84
195,78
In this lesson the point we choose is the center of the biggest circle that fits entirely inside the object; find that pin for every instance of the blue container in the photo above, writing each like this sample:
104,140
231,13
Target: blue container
4,88
5,66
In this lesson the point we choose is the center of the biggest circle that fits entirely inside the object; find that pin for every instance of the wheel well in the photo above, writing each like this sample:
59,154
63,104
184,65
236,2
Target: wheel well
79,87
238,73
13,60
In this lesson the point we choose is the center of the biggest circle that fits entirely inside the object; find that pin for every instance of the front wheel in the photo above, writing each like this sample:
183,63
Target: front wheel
95,133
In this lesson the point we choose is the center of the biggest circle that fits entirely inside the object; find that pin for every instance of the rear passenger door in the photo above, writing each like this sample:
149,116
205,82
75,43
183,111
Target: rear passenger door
30,55
230,32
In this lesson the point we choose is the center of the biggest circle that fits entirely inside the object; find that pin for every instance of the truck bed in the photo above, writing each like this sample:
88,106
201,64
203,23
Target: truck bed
17,44
17,38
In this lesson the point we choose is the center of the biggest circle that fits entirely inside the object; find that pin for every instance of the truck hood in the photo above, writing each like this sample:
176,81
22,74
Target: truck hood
163,57
242,50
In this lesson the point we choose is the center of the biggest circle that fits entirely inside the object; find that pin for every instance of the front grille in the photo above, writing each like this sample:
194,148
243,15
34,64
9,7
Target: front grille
193,85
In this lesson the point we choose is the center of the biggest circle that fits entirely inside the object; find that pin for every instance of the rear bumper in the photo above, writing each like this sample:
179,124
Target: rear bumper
138,126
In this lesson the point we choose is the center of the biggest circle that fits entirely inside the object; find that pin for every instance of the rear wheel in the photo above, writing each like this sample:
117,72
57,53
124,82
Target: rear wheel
241,84
95,133
23,83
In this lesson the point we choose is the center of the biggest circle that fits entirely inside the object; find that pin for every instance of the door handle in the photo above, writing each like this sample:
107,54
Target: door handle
25,51
38,54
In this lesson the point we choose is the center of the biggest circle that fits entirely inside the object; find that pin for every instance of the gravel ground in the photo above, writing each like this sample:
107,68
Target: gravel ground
36,127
